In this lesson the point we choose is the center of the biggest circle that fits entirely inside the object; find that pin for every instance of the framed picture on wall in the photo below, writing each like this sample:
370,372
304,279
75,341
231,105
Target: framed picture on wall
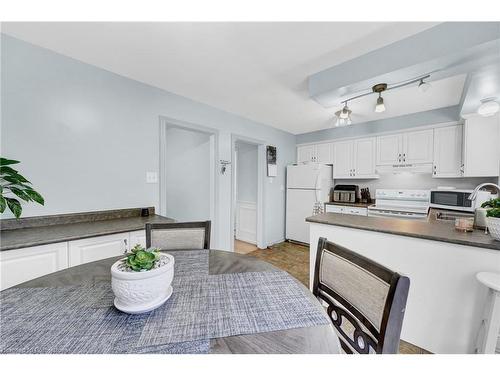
272,169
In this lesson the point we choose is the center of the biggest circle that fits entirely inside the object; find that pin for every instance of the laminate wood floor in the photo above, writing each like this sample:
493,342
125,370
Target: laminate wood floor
294,259
242,247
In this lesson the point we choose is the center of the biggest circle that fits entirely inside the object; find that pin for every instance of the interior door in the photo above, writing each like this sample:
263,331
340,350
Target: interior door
299,205
418,147
389,149
342,154
364,157
447,151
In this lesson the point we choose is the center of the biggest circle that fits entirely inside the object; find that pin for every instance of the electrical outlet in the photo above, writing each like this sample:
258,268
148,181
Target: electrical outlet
151,177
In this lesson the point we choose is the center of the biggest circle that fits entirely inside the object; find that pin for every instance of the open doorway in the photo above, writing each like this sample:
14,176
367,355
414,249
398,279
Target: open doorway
245,203
187,172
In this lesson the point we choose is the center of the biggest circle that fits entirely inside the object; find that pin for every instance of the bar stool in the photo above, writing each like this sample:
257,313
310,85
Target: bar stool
490,326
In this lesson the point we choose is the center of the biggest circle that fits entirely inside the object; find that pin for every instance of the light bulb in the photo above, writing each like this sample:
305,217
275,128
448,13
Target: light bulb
424,86
380,107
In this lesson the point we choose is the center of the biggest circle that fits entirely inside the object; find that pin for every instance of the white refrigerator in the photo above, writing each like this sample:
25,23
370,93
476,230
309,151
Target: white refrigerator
306,185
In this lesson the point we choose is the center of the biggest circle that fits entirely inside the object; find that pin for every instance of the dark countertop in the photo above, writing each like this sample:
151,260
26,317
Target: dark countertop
42,235
431,229
356,204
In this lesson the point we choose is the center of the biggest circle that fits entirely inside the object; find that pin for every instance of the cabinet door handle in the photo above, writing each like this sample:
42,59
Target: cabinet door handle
125,244
404,157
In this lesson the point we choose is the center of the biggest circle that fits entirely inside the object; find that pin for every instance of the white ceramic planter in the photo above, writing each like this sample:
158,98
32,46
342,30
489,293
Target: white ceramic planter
494,227
140,292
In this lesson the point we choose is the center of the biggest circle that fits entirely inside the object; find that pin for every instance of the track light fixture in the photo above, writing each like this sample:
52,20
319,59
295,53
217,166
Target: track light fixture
424,86
381,87
343,117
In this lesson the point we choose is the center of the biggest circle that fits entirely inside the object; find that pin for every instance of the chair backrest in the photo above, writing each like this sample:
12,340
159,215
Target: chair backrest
366,301
179,236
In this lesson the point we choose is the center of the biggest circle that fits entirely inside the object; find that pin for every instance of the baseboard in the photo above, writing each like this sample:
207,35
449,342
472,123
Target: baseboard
271,243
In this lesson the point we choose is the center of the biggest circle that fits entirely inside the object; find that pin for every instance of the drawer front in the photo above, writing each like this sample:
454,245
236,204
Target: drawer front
335,209
97,248
361,211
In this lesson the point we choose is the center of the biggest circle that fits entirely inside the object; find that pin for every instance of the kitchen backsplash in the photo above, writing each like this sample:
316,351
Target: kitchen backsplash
415,181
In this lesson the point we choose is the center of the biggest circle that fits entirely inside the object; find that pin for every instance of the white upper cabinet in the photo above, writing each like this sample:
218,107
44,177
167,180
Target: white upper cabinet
389,149
481,146
448,152
324,153
418,147
354,159
320,153
405,148
364,152
342,155
305,153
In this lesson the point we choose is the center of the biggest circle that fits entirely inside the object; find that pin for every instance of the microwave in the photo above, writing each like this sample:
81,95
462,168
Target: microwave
456,199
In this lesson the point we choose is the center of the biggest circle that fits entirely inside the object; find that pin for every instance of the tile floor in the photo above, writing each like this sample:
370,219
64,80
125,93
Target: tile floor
294,259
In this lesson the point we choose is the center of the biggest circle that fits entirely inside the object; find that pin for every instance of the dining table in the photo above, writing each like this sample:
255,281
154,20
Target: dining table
298,325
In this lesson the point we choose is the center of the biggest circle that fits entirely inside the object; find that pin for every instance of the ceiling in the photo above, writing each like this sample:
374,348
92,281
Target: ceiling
255,70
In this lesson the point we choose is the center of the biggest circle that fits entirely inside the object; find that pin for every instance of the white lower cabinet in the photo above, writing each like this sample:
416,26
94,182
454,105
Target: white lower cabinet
96,248
349,210
20,265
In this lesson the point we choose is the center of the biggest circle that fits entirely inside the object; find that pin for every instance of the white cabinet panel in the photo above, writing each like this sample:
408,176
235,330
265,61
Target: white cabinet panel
96,248
334,209
342,156
324,153
137,237
481,146
364,158
305,153
389,149
447,152
246,221
418,147
348,210
20,265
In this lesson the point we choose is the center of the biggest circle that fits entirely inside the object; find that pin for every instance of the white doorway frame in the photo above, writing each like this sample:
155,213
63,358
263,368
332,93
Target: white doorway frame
261,172
168,122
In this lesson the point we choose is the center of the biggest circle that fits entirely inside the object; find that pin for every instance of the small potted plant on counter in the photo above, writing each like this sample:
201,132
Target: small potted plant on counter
493,217
142,281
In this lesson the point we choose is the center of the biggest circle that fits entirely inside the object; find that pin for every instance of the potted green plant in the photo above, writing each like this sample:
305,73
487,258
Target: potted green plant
493,217
13,185
142,280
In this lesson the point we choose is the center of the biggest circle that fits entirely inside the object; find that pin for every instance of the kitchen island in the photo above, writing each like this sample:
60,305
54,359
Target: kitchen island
445,301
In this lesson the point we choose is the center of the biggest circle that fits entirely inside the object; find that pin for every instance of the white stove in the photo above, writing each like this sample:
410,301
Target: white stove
404,204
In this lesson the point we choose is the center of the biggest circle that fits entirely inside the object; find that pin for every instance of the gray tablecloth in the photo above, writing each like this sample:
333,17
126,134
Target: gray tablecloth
82,319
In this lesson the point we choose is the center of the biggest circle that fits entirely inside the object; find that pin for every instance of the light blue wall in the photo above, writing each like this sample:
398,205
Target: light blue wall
246,172
188,175
86,137
436,116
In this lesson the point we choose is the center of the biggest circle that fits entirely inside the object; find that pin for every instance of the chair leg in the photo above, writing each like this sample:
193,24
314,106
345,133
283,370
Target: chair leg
488,339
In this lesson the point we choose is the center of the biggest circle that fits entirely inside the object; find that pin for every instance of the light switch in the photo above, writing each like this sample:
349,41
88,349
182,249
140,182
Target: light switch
151,177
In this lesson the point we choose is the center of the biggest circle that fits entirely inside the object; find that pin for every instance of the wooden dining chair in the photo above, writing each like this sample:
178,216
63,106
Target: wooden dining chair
179,236
365,300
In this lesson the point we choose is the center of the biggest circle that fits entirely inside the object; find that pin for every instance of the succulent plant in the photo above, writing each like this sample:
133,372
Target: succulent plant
493,206
140,259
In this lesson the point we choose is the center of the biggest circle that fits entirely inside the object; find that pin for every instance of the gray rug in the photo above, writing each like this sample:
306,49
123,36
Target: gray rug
82,320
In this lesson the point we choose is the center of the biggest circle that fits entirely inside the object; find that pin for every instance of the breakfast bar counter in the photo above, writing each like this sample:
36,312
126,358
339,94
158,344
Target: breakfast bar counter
445,301
430,229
